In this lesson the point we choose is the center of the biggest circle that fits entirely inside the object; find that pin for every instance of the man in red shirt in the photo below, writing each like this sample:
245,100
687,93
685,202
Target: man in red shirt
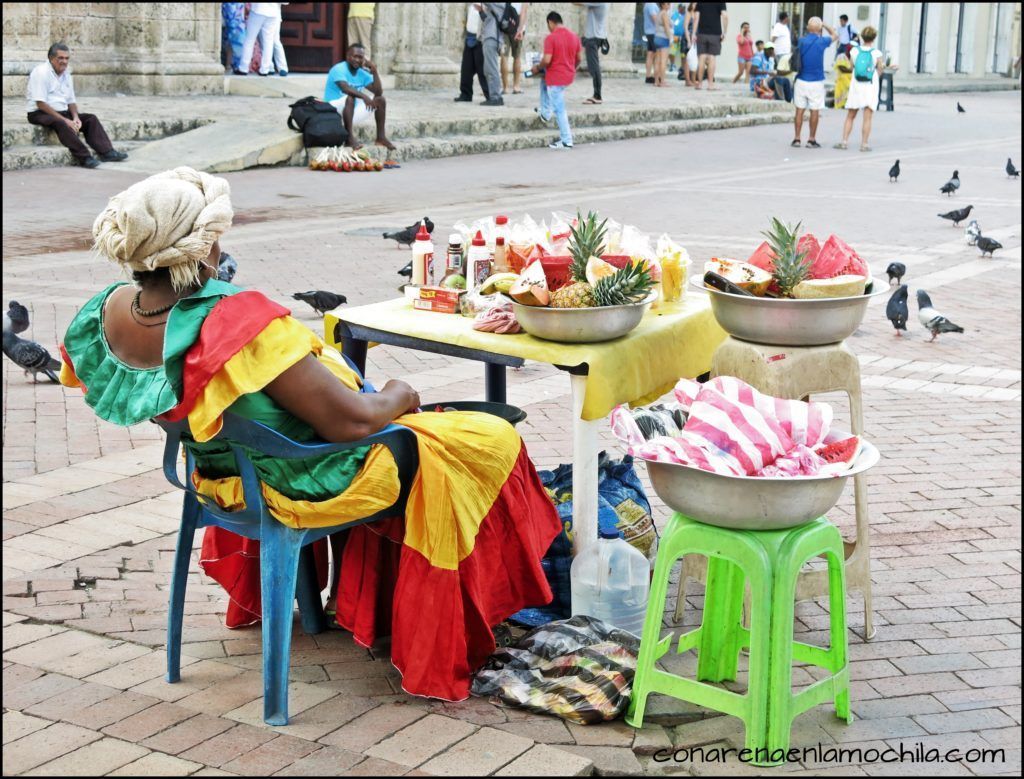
562,54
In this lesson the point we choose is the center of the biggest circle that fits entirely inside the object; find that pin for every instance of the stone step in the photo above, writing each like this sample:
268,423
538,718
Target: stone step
24,134
22,157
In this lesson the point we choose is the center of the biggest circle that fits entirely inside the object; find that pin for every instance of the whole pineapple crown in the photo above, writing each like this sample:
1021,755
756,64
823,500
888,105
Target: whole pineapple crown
790,265
586,240
628,285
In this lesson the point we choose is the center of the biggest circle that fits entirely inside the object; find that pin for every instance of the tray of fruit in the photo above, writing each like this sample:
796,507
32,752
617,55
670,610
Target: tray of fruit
792,291
595,300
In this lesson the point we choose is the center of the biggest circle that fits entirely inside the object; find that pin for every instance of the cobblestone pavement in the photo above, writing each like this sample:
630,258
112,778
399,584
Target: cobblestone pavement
89,523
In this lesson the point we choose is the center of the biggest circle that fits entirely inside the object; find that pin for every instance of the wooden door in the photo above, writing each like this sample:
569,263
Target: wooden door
313,35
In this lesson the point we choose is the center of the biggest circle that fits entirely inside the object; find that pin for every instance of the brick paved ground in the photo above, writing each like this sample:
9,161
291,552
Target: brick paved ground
89,523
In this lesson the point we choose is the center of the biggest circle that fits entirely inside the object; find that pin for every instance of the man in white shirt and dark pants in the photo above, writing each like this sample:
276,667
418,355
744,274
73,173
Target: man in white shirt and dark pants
52,103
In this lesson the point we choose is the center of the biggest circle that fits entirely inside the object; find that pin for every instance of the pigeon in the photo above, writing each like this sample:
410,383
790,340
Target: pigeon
931,319
407,235
1011,171
321,301
896,309
16,318
30,357
960,108
973,232
987,245
894,172
957,216
896,270
952,185
227,268
406,271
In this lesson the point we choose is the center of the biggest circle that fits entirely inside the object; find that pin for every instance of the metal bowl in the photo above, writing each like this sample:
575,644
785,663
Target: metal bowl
581,325
785,322
753,502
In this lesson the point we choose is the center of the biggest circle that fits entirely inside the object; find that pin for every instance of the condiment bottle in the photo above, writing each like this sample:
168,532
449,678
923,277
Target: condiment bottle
500,255
454,260
501,228
478,260
422,257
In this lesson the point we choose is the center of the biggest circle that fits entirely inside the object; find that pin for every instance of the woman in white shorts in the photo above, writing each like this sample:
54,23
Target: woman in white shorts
863,94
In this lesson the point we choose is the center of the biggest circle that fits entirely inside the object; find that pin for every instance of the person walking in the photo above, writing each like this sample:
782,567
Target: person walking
562,55
490,15
712,23
595,37
847,36
662,42
650,27
809,89
232,39
264,22
51,102
863,95
472,58
360,25
512,46
745,49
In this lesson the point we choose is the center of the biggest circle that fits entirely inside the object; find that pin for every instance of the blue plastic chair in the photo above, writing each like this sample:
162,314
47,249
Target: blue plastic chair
287,571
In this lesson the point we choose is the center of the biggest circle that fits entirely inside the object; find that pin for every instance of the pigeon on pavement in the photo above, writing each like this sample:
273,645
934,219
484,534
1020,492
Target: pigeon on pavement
227,268
321,301
896,270
957,216
960,108
1011,171
973,232
407,235
894,172
896,309
406,271
931,319
16,318
988,245
952,185
30,357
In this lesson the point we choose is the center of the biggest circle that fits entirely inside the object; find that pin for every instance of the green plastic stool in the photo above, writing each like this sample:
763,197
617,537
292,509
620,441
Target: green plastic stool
771,562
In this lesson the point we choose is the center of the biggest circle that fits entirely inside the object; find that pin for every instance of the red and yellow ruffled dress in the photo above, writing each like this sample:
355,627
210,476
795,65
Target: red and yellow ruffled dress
465,555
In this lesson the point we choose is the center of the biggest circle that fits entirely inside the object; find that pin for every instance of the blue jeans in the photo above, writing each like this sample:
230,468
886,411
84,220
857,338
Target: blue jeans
552,101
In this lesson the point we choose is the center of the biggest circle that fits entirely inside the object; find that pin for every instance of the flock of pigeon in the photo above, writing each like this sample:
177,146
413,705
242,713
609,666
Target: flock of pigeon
933,321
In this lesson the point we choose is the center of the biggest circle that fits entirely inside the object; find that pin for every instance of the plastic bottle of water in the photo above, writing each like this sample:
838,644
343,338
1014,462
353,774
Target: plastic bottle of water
611,581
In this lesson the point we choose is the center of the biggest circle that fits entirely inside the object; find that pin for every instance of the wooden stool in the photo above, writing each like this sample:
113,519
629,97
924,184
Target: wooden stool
796,372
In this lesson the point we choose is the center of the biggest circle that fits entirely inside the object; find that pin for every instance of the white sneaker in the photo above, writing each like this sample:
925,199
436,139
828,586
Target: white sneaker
559,145
545,119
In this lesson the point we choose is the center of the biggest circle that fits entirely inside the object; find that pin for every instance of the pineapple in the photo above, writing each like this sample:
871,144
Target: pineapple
579,294
586,240
790,265
630,285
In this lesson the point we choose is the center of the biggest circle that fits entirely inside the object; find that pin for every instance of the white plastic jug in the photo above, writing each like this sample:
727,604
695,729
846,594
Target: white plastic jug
611,581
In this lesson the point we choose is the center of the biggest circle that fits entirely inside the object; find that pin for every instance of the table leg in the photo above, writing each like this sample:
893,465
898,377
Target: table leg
355,350
494,376
584,470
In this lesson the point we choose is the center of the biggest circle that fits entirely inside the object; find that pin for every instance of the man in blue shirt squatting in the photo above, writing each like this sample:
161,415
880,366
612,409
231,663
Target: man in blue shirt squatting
353,87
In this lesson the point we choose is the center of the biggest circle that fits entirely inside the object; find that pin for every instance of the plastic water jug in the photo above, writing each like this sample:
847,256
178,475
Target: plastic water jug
611,581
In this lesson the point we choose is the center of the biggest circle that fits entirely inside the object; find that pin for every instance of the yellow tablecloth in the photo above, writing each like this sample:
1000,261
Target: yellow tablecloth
672,341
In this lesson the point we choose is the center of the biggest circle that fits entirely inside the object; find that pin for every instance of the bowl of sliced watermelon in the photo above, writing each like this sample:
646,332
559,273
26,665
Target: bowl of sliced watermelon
792,291
763,502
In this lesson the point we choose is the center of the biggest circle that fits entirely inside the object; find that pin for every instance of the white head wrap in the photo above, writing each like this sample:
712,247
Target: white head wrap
169,220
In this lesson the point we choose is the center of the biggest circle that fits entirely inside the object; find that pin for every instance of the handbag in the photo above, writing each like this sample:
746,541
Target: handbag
509,22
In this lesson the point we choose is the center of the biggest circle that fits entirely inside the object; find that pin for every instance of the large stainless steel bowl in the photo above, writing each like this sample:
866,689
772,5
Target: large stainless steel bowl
785,322
581,325
752,502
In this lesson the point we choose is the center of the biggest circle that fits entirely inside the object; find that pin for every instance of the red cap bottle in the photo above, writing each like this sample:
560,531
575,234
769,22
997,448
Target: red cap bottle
422,234
478,239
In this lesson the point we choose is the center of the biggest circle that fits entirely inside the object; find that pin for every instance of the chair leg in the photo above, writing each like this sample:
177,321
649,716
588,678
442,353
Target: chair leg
720,637
307,593
190,512
838,647
279,562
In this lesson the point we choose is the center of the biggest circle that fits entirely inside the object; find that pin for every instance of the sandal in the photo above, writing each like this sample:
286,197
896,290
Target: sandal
865,148
592,101
839,146
795,143
813,145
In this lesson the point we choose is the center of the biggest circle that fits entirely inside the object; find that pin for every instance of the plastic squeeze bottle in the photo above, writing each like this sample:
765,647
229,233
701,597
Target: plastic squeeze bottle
500,255
422,257
478,260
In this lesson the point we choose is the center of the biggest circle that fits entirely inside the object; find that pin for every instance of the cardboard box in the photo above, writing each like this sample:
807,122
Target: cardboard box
439,299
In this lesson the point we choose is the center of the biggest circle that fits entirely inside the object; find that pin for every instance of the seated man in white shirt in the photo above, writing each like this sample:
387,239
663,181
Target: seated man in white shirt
52,103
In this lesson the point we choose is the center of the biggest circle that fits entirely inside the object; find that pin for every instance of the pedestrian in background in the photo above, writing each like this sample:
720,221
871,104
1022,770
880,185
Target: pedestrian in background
650,26
809,89
512,46
782,36
472,58
678,30
846,34
745,49
360,25
863,92
562,55
490,16
264,22
595,37
688,73
712,24
232,39
662,42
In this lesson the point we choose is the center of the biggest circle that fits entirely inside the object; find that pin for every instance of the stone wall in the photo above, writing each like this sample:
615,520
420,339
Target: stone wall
135,48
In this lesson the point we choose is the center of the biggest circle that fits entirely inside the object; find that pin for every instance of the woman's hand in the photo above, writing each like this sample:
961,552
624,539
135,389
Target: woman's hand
408,397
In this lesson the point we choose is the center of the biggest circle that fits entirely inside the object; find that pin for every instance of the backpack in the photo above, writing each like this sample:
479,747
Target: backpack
319,122
509,22
864,65
795,61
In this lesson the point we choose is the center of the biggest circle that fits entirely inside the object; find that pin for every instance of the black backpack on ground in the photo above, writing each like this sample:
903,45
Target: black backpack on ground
319,123
509,22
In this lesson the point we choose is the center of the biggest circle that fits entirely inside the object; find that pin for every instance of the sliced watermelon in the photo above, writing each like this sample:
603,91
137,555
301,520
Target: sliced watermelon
809,244
837,258
839,455
763,257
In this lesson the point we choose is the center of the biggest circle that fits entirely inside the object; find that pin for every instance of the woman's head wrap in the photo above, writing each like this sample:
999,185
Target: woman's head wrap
169,220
